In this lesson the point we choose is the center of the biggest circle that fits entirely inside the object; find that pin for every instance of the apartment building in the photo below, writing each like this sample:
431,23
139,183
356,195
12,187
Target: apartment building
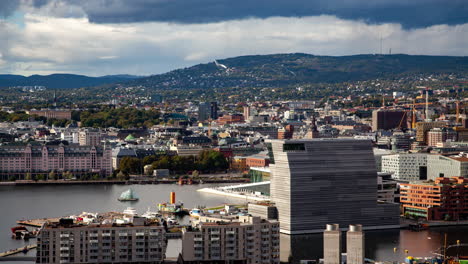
67,242
443,199
440,135
423,127
231,239
89,137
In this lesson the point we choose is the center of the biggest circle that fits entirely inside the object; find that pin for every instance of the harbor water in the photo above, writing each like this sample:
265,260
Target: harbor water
27,202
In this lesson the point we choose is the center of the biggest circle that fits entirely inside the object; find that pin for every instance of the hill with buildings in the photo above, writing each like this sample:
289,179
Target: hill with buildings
281,70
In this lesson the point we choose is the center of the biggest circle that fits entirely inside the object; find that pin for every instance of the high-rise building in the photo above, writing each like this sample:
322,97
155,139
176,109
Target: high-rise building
355,245
388,119
318,181
214,110
246,112
332,244
204,111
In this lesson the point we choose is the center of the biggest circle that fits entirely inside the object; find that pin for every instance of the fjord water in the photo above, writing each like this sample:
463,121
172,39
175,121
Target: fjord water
25,202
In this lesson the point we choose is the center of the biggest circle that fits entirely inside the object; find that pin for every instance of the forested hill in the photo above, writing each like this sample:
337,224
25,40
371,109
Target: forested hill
60,81
290,69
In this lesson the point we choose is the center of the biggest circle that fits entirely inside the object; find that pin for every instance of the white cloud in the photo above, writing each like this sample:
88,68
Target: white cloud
51,44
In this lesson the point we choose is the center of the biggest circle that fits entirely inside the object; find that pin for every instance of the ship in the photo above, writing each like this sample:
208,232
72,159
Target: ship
173,207
128,195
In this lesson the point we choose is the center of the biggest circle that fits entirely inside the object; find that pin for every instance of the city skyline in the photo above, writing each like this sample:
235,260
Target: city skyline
150,37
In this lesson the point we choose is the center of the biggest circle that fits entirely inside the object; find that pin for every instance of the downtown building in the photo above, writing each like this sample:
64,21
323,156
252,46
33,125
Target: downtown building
66,242
318,181
231,239
35,159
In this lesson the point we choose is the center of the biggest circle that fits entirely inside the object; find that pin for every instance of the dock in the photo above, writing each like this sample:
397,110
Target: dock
36,222
16,251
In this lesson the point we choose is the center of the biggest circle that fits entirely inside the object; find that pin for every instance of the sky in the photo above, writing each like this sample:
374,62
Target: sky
144,37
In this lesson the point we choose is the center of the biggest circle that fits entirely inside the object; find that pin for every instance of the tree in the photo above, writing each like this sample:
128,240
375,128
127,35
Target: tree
12,178
40,177
121,176
52,176
28,176
195,174
67,175
130,165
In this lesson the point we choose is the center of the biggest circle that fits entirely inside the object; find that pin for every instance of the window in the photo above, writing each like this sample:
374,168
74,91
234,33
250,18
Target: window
293,146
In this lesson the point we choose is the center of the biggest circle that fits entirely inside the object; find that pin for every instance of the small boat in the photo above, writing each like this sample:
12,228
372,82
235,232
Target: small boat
151,215
195,212
128,195
21,232
130,211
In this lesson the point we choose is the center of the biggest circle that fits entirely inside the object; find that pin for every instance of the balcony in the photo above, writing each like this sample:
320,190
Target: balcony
198,239
140,234
64,235
64,248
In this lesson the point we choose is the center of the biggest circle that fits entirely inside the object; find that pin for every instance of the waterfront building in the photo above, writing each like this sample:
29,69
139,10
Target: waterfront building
332,244
316,181
68,242
35,159
447,166
259,174
388,119
231,239
387,190
443,199
406,166
51,113
89,137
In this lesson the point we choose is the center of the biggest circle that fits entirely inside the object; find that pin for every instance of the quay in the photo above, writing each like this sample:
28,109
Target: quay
131,181
37,222
240,191
16,251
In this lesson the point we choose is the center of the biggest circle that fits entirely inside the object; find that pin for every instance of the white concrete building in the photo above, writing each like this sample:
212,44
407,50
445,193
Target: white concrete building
236,239
406,166
441,166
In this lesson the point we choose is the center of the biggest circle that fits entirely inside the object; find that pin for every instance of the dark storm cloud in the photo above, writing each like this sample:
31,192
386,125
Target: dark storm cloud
409,13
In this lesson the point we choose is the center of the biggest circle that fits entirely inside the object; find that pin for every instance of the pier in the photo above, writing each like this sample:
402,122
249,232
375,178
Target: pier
16,251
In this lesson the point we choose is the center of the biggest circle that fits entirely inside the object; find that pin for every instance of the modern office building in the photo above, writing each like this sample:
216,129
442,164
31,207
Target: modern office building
35,159
231,239
204,111
447,166
388,119
69,242
406,166
317,181
443,199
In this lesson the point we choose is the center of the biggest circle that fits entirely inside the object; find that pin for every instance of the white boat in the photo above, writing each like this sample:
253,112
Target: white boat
130,211
196,212
150,214
128,195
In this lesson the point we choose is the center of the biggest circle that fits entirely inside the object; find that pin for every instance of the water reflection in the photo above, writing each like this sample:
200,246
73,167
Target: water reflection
380,244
